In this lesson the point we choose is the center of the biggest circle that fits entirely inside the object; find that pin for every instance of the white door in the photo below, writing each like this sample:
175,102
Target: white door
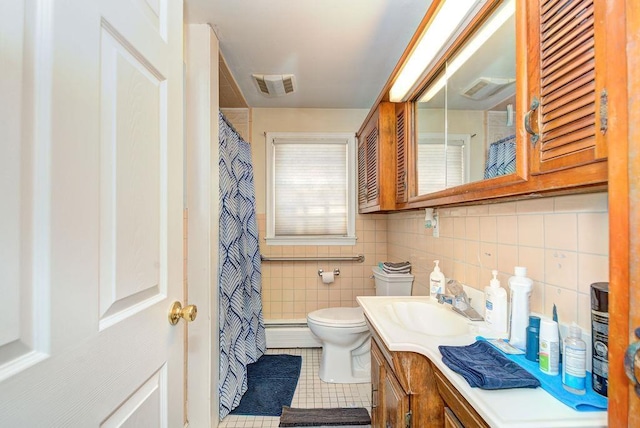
91,197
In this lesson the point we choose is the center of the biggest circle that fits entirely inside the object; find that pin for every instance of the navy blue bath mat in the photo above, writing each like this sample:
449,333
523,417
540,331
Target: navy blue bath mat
271,382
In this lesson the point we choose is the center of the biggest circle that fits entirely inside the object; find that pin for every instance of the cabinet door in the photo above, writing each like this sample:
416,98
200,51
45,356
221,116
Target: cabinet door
377,161
396,403
377,373
566,69
402,152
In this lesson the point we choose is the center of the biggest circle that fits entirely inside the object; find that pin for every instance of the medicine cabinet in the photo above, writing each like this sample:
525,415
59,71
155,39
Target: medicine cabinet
464,115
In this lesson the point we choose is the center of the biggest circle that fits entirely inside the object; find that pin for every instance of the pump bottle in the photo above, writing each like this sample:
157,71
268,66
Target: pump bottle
495,311
436,281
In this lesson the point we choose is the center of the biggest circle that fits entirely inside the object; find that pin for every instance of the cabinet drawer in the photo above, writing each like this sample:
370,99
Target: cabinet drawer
463,411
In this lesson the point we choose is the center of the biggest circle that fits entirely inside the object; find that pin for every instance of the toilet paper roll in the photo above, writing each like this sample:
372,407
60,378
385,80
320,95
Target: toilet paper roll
327,277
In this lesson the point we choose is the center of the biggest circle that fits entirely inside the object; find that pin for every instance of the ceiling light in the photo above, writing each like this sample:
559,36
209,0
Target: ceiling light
487,30
447,20
274,85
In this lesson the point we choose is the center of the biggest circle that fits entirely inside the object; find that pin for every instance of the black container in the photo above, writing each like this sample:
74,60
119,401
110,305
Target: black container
600,337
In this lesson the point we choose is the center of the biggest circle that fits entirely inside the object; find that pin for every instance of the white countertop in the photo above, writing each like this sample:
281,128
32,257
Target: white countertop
509,408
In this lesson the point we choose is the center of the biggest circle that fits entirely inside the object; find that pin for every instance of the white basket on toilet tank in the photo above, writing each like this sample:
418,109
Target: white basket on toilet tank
345,337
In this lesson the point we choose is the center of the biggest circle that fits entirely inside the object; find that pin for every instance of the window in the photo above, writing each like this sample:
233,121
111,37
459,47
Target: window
310,189
440,168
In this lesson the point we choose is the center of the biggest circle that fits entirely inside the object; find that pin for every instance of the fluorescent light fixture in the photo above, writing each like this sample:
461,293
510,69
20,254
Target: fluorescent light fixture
497,20
436,35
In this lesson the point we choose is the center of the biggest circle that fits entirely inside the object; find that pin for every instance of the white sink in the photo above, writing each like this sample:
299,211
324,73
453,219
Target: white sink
430,318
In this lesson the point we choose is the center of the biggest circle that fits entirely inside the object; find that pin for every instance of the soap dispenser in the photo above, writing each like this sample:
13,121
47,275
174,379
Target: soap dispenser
495,311
436,281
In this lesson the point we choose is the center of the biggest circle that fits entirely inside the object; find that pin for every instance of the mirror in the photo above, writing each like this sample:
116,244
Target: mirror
464,127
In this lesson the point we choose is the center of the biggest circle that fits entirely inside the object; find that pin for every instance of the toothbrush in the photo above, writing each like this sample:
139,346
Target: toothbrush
555,318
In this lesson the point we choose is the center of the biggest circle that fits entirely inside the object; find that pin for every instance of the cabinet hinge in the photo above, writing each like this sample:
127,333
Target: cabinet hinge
604,111
407,419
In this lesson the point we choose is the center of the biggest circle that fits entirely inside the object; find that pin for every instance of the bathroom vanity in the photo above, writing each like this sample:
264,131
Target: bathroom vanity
409,391
412,387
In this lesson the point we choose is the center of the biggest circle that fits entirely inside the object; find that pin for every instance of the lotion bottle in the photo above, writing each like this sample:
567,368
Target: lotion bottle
549,348
495,311
520,287
436,281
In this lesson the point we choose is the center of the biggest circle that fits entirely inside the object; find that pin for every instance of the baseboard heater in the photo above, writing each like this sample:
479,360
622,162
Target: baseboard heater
289,333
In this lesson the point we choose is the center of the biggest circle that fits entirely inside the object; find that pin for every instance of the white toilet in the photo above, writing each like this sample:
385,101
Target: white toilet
345,337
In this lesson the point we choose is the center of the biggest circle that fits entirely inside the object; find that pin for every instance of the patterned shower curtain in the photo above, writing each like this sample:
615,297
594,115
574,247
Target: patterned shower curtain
241,323
501,159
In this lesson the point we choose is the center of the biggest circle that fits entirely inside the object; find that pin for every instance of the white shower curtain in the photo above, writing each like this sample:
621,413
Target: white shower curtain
241,323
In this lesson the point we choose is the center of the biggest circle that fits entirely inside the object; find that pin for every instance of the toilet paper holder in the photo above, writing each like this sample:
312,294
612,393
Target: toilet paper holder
336,272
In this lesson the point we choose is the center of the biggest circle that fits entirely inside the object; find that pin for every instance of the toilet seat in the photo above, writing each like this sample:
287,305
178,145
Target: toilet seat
338,317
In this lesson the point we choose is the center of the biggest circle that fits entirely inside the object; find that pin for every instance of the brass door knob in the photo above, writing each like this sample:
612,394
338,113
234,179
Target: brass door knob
176,312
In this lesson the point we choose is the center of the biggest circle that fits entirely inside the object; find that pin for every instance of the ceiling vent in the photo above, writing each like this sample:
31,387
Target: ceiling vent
484,87
274,85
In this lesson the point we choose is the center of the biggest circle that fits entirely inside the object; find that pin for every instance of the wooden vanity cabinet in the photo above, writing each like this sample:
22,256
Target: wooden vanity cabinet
377,373
377,161
389,401
404,391
408,391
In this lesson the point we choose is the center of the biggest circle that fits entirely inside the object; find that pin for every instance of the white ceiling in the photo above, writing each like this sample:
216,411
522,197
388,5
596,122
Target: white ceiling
341,51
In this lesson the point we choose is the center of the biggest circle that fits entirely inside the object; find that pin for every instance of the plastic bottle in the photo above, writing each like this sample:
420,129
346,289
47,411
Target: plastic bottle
520,287
574,367
436,281
549,352
533,339
495,310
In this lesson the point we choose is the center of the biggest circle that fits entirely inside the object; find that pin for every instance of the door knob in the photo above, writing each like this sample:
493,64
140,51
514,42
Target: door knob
176,312
632,363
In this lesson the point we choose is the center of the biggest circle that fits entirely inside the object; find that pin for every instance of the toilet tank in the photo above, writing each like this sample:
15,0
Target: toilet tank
392,284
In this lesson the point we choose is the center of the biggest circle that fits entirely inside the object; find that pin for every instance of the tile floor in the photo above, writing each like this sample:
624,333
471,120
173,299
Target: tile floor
311,392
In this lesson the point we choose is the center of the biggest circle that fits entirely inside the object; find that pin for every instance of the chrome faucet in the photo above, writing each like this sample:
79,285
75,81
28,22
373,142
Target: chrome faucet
459,301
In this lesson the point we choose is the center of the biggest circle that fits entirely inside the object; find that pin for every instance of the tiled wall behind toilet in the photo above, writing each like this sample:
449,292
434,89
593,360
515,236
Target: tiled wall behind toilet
562,241
290,290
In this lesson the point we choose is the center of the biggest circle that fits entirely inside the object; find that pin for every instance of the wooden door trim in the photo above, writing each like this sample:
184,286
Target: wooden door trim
624,113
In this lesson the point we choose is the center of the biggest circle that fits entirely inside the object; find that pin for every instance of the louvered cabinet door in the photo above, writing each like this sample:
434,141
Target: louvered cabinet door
402,152
567,71
362,173
377,161
371,143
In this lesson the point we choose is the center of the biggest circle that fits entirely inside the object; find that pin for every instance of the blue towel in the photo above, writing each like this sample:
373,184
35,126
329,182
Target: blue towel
591,401
485,367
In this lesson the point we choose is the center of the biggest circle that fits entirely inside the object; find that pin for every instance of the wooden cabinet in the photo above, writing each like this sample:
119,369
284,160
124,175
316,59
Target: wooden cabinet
396,403
404,391
403,152
566,89
377,373
567,82
377,161
407,391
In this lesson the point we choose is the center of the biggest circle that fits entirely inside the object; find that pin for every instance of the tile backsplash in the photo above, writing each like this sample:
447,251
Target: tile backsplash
563,241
